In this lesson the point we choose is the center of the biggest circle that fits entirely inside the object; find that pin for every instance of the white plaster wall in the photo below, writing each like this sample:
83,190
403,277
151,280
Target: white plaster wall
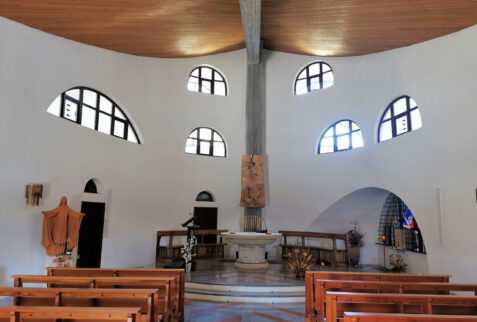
440,76
153,186
365,206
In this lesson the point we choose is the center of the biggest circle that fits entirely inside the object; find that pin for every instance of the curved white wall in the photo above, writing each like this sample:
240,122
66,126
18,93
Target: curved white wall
153,186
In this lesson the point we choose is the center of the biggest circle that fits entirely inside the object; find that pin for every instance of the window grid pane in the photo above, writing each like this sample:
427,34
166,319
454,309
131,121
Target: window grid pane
315,76
91,109
340,136
204,79
401,116
206,141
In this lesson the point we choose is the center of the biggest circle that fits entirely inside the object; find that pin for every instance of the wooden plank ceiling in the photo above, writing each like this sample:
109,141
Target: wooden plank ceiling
186,28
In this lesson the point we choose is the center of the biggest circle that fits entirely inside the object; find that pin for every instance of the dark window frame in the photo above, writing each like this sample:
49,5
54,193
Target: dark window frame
393,118
336,136
309,78
79,112
394,207
212,81
211,142
210,198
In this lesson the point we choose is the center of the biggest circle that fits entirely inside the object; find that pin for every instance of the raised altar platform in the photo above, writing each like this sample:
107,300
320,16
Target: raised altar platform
221,281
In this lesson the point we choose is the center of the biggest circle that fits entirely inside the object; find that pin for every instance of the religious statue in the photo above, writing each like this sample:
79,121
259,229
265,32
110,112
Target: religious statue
61,229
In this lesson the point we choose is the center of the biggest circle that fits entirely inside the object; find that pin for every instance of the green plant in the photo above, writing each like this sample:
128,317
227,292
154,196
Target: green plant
355,236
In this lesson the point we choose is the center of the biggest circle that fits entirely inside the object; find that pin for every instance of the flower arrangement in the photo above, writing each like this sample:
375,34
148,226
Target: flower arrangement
300,261
397,263
355,236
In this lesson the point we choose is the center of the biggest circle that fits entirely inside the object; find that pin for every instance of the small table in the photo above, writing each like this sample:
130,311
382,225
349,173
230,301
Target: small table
251,252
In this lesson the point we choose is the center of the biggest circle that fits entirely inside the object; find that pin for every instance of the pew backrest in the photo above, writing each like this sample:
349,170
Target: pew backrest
144,298
392,317
19,313
339,302
323,286
311,276
164,285
179,274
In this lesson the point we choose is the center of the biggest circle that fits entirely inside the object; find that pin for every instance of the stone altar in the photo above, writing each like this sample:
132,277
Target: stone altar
251,252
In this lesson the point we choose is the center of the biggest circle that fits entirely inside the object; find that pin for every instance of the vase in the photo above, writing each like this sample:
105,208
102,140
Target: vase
354,255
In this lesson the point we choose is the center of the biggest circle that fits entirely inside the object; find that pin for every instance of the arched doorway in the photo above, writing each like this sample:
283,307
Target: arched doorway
91,232
206,216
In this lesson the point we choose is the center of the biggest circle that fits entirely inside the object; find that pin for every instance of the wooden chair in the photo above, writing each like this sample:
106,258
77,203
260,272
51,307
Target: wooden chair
339,302
42,313
179,274
311,276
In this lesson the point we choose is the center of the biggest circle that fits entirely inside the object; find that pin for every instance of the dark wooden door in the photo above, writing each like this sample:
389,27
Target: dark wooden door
206,219
91,234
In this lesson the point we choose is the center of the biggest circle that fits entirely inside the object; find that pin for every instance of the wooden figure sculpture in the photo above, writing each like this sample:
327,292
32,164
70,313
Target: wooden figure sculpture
60,229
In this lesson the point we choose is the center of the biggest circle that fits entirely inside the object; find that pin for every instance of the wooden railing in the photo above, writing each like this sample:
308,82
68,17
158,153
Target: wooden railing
334,256
202,250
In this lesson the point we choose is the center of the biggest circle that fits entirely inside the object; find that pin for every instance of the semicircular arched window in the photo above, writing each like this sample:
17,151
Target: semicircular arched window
314,76
206,141
92,109
340,136
401,116
204,196
206,79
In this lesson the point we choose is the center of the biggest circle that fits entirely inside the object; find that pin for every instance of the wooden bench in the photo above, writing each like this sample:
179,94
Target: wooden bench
339,302
334,256
311,276
179,274
202,250
19,313
143,298
164,285
392,317
323,286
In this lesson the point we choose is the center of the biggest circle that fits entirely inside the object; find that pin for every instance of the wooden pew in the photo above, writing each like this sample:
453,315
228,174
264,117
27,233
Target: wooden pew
311,276
19,313
179,274
334,256
391,317
323,286
165,285
339,302
144,298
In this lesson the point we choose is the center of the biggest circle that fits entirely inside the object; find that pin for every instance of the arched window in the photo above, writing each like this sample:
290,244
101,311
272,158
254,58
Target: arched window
342,135
206,79
92,109
401,116
314,76
205,141
91,187
399,227
204,196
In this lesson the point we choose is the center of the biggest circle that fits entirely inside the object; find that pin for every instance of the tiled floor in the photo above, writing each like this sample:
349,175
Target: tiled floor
213,271
238,312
